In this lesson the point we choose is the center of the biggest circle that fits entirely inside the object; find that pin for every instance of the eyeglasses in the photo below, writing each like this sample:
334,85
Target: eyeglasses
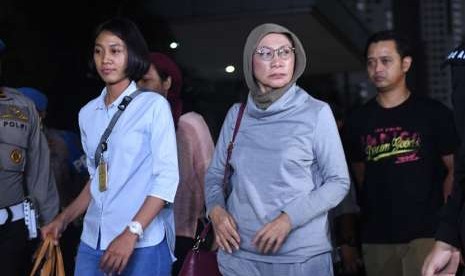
267,53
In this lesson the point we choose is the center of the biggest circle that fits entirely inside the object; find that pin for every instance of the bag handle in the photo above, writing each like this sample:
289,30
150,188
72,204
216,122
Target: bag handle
40,254
49,256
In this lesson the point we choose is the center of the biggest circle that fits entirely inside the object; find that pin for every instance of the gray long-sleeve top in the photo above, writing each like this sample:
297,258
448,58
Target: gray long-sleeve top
287,158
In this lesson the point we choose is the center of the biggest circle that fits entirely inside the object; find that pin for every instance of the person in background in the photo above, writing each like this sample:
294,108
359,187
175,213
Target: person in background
128,223
401,149
344,221
444,258
288,168
195,149
70,172
24,170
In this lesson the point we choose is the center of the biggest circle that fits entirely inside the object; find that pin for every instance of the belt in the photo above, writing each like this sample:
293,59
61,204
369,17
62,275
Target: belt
14,213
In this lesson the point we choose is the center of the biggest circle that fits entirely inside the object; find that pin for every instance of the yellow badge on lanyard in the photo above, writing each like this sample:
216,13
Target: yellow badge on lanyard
102,175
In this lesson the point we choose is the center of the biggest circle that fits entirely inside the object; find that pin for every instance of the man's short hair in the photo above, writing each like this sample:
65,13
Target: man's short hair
402,42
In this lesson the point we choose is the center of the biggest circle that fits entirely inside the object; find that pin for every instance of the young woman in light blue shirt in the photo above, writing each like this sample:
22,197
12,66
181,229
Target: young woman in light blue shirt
128,226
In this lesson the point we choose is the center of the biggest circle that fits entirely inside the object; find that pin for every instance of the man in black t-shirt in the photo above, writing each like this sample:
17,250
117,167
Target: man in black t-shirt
401,150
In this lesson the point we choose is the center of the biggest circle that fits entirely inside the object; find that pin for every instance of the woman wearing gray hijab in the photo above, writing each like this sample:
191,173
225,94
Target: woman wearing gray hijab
288,168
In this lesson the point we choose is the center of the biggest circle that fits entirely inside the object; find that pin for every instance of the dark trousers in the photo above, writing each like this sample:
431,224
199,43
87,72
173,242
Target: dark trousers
15,255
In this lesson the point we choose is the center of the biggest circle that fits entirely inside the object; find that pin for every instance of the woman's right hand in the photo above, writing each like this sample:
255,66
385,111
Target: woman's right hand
55,228
70,213
225,228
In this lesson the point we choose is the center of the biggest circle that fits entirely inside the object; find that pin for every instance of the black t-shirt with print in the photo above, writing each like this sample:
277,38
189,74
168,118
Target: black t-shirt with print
401,147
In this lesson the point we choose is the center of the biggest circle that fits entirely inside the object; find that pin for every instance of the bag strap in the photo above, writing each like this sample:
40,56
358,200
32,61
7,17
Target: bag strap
205,230
227,167
227,171
102,145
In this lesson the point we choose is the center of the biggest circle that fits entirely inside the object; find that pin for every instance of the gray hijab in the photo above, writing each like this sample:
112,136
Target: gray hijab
264,100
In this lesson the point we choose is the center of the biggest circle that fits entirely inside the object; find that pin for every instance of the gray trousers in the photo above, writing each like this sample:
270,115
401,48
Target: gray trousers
320,265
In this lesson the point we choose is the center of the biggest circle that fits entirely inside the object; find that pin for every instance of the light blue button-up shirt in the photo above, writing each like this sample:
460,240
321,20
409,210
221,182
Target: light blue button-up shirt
142,161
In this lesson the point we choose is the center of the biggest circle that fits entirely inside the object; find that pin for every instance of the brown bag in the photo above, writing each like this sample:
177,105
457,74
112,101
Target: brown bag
48,260
201,261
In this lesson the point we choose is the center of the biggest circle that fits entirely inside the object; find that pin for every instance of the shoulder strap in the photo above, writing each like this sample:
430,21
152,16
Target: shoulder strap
102,146
227,171
227,168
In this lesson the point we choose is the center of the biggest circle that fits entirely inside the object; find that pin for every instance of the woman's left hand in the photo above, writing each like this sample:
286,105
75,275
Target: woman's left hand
118,253
273,234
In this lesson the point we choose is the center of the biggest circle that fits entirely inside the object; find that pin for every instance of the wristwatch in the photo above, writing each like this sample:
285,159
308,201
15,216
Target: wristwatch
136,228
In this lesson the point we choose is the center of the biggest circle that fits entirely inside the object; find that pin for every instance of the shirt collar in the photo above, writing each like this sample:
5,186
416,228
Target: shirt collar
132,87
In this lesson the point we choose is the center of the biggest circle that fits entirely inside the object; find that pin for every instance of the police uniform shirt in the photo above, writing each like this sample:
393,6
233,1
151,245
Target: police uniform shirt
24,156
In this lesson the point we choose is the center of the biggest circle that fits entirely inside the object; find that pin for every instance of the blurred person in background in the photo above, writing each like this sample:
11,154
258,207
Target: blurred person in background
344,221
195,149
444,258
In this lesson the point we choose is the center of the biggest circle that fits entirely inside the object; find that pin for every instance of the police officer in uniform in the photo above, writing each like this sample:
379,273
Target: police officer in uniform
24,168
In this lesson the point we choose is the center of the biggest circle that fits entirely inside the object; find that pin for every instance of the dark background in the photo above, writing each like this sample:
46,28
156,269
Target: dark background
49,46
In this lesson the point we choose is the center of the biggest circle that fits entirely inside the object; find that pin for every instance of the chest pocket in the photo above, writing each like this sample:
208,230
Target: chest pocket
12,158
